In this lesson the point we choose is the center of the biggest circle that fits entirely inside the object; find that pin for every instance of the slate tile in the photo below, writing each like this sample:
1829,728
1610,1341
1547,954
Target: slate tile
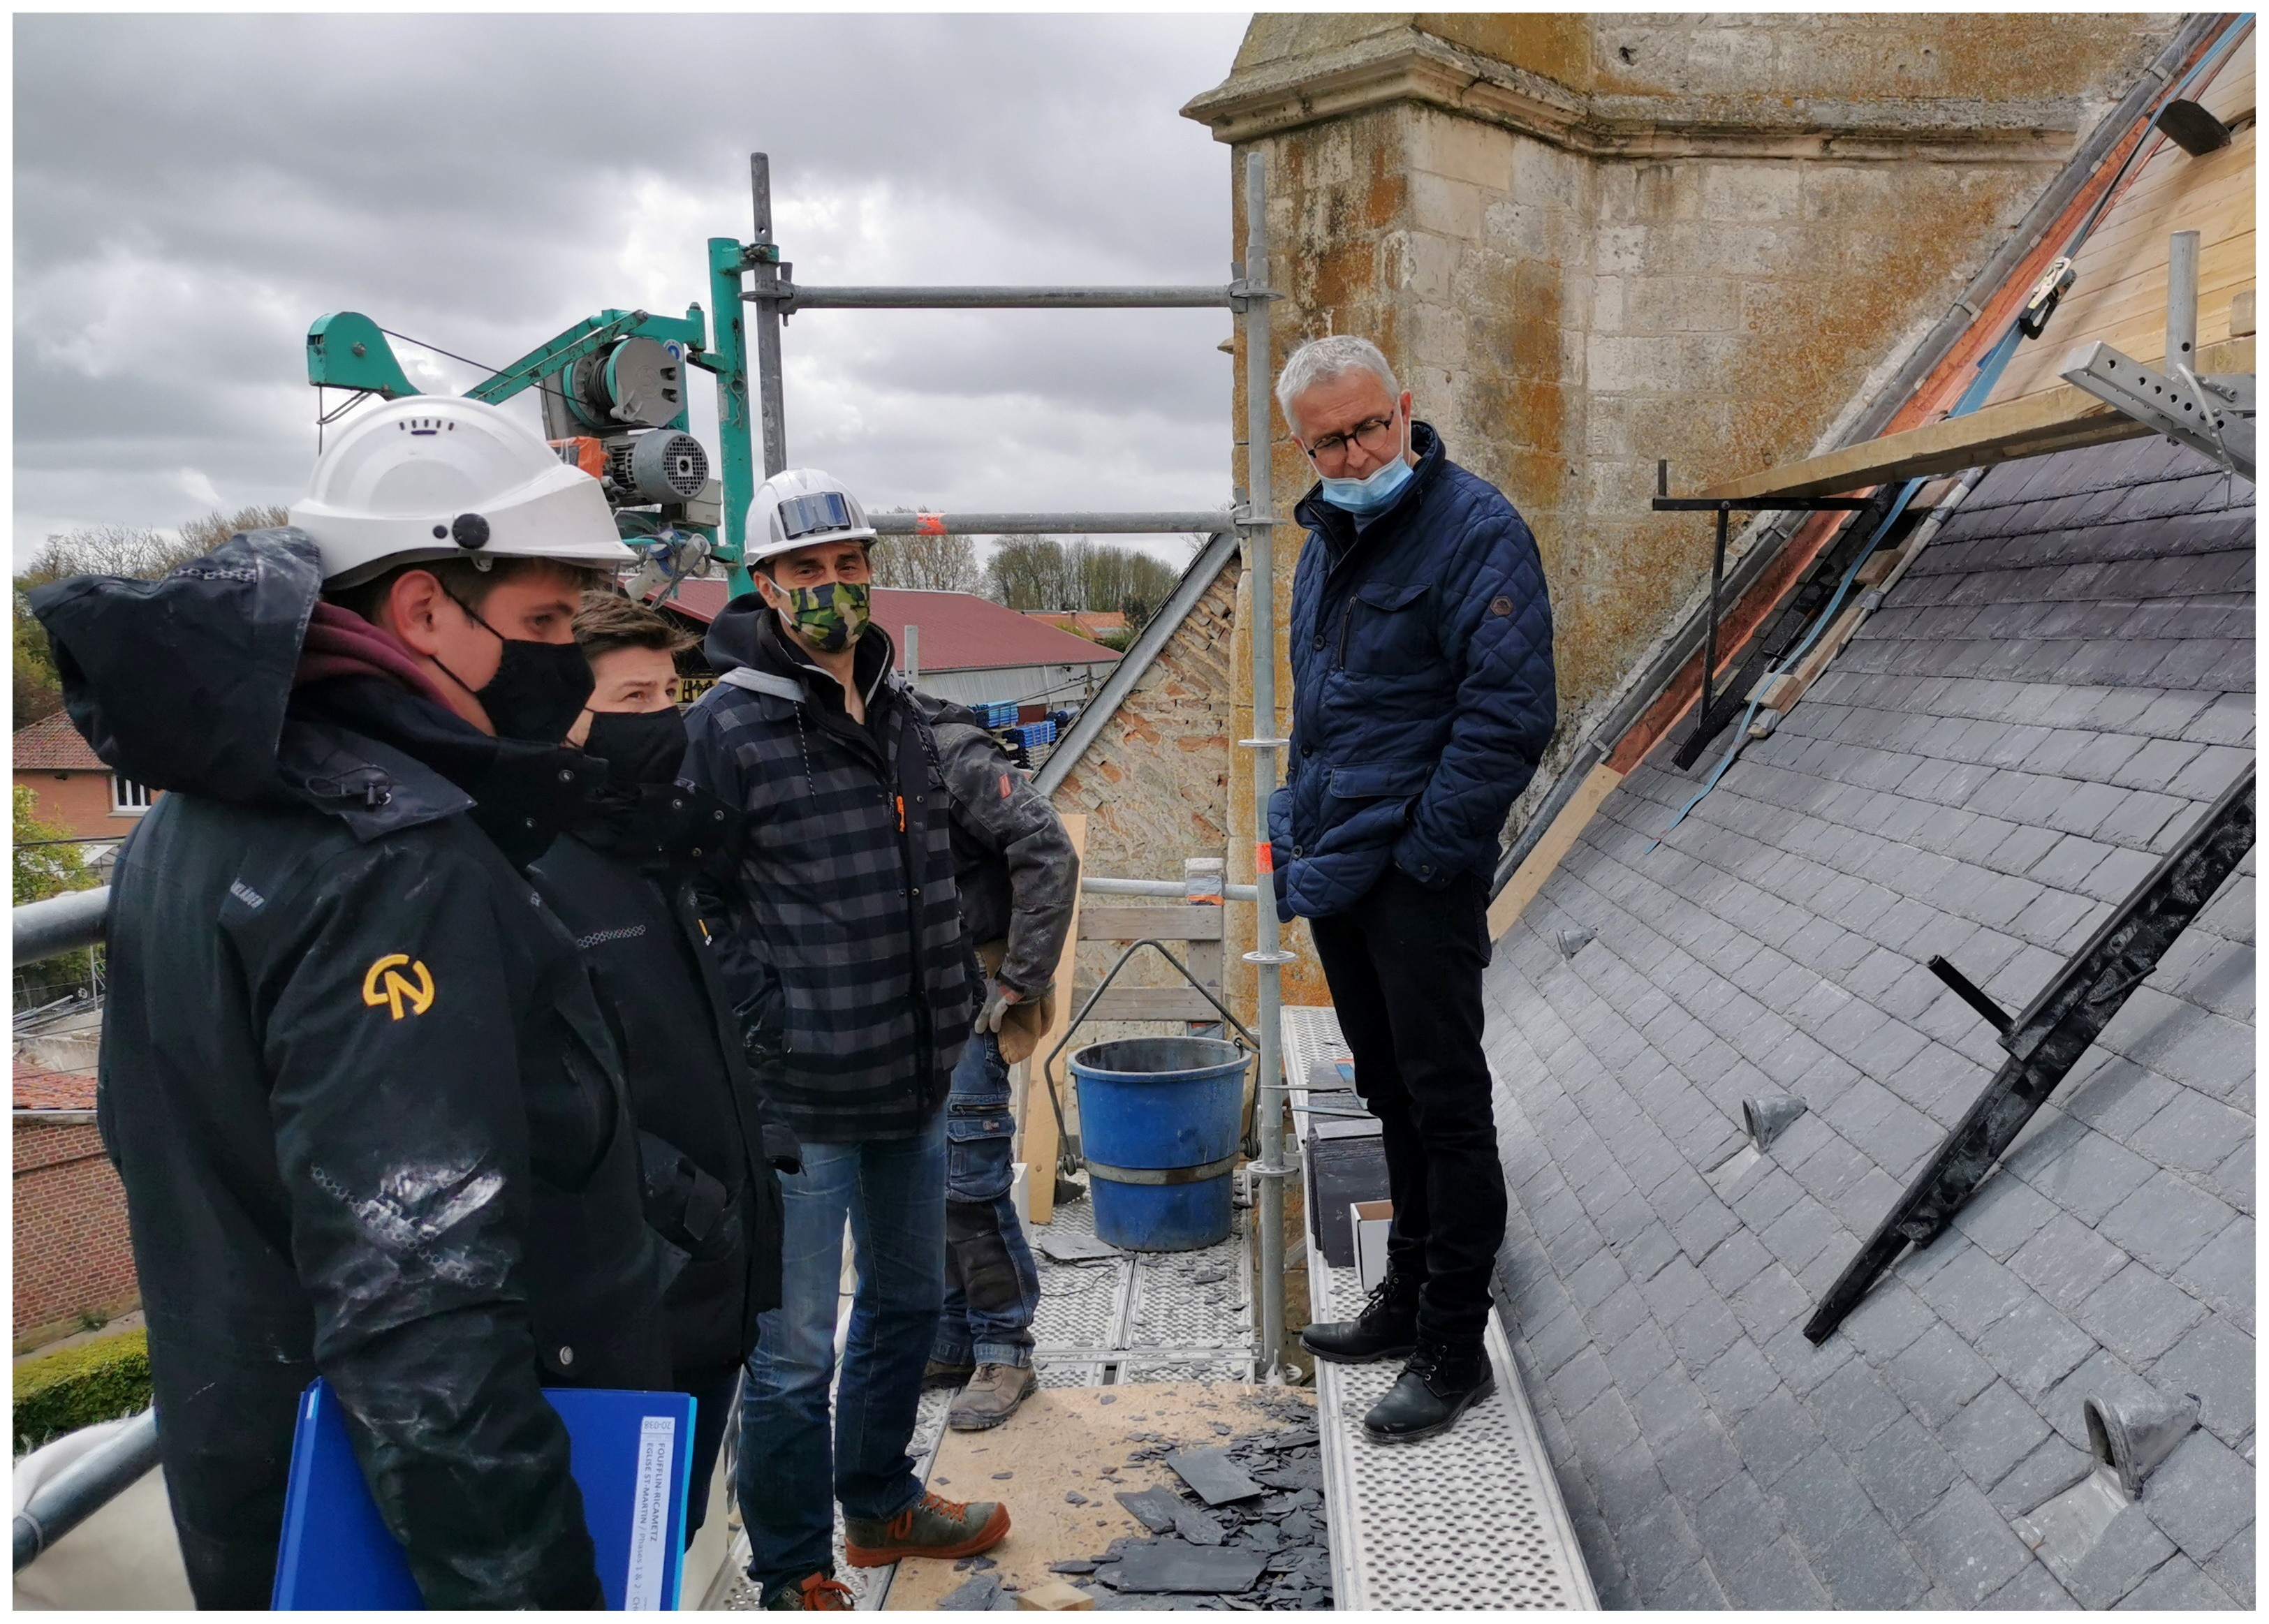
2093,1176
2117,1097
1667,1561
1967,1546
2178,1586
1756,1561
1821,1502
1700,1230
1904,1470
2137,1315
2101,1374
1622,1312
1770,1302
1639,1357
2165,1220
2053,1467
2215,1361
2004,1215
2067,1261
2130,1548
2201,1496
2232,1567
1627,1485
1737,1381
1579,1381
1869,1569
1735,1261
2191,1132
1775,1435
2233,1180
1969,1290
1890,1319
1702,1333
1696,1461
2214,770
2033,1589
1853,1407
1939,1375
1993,1433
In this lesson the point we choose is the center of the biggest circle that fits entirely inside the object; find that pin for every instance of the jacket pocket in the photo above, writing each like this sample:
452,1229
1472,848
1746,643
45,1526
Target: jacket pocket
1389,631
575,1102
1375,780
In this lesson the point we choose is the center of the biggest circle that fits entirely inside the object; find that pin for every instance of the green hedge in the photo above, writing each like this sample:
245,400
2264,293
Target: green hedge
98,1381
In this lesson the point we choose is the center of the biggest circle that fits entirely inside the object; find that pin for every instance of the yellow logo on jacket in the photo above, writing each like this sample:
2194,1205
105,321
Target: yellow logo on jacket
385,986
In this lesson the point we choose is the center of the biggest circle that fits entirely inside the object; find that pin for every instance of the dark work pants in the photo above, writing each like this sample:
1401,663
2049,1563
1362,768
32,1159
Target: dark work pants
713,1408
1405,967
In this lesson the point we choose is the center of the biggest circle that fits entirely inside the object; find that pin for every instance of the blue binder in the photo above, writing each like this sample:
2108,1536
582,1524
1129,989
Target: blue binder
632,1455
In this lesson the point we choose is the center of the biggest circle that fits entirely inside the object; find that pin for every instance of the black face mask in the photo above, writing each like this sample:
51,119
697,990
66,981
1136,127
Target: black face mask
638,747
538,690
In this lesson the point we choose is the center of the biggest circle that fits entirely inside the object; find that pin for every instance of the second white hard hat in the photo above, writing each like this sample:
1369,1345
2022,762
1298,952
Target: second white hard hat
799,507
436,476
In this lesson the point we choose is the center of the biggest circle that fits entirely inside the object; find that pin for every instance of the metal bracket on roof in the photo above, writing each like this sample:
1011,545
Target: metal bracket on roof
2204,414
2048,1039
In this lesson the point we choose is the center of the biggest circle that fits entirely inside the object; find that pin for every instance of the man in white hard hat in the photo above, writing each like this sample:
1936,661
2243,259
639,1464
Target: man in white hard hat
368,1115
840,940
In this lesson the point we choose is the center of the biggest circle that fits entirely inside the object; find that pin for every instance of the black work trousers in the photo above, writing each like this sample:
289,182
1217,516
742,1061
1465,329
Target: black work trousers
1405,969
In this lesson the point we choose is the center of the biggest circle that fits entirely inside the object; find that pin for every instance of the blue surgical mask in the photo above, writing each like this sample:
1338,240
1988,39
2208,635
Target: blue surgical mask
1363,498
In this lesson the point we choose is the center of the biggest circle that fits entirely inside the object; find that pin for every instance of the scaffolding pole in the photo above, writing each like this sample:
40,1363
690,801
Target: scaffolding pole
1267,957
1050,524
792,299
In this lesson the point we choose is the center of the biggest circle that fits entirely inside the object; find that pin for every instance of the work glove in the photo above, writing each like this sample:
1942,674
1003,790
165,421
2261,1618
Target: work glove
996,1007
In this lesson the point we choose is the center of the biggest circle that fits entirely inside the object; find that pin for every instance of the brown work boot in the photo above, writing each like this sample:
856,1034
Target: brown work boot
932,1526
937,1373
992,1397
822,1592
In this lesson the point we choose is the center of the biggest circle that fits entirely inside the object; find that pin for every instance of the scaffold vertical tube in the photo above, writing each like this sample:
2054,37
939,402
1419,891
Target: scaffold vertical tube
728,350
1260,570
764,317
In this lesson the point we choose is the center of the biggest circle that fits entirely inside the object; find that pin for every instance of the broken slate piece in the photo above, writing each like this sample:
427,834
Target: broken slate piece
1215,1477
978,1595
1156,1509
1077,1249
1171,1566
1073,1497
1080,1566
1208,1277
1264,1537
1198,1527
1002,1477
1299,1528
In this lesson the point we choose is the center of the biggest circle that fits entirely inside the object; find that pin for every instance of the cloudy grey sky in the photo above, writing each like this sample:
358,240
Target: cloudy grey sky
192,191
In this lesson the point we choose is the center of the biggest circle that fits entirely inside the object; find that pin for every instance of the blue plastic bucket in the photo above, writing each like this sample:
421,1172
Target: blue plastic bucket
1158,1121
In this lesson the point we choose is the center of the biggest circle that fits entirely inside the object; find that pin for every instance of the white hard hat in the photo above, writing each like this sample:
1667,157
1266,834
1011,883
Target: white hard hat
800,507
436,476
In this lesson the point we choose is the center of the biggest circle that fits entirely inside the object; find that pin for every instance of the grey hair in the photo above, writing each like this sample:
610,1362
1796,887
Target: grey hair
1320,360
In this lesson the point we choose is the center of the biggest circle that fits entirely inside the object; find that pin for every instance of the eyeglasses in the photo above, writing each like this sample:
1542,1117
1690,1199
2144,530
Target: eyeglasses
1371,434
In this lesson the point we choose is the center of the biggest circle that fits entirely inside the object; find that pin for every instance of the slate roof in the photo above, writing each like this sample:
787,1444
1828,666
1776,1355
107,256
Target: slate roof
52,744
960,631
2050,697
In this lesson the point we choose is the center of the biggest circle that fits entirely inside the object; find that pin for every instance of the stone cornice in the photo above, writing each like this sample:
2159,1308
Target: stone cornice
1408,65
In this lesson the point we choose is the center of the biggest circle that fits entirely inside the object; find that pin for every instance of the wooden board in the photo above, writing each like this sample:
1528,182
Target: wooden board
1041,1141
1546,855
2060,420
1059,1443
1169,922
1178,1002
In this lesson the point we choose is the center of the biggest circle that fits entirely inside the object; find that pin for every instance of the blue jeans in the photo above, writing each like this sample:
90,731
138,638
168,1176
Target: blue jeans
791,1469
991,1284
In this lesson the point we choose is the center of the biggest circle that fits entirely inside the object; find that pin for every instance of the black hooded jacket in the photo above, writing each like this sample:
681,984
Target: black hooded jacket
707,1141
370,1120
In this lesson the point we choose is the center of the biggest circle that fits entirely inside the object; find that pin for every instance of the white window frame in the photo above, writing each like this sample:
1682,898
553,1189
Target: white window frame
123,794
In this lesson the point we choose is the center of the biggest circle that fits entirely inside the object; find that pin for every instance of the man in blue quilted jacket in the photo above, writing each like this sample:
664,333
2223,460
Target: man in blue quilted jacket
1423,699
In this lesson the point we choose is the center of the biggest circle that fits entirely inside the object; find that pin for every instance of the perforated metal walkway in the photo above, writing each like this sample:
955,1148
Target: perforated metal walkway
1471,1519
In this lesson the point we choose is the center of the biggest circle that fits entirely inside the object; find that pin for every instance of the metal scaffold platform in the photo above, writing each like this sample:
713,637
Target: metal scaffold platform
1471,1519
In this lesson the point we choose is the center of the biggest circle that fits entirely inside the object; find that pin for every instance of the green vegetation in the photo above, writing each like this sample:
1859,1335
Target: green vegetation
98,1381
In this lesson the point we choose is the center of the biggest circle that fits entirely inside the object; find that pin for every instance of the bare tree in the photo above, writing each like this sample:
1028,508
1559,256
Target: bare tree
928,563
124,550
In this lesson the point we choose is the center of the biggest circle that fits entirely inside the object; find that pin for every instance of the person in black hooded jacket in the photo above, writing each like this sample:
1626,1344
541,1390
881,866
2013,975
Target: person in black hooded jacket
369,1118
707,1141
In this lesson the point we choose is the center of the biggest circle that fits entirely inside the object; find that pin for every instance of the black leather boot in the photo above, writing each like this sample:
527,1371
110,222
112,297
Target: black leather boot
1387,1327
1441,1383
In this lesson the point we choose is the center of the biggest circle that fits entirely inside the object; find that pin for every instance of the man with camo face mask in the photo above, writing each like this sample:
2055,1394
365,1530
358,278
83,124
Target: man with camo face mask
840,939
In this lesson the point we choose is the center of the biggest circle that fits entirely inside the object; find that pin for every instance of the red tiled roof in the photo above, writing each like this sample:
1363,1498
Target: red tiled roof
960,631
38,1088
53,744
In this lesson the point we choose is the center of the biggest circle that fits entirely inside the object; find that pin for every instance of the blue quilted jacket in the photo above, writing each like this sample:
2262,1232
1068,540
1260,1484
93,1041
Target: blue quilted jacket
1423,691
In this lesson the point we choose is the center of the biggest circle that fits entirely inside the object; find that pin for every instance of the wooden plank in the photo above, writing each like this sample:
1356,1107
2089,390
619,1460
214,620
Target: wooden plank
1546,855
2060,419
1038,1120
1147,1003
1083,1440
1170,922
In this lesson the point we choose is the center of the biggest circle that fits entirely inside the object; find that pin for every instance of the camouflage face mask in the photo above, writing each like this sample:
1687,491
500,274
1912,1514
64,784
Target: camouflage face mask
832,616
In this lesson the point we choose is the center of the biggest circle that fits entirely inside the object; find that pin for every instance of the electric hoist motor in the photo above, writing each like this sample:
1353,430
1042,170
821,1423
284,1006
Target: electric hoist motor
664,466
637,383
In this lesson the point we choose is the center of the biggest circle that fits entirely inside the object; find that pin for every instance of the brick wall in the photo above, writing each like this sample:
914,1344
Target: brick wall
72,1252
78,802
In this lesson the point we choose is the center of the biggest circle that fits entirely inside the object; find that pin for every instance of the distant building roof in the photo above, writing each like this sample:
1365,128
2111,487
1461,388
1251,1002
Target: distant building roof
38,1088
960,631
52,744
